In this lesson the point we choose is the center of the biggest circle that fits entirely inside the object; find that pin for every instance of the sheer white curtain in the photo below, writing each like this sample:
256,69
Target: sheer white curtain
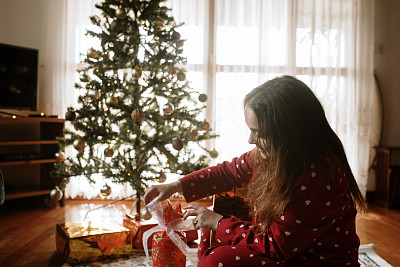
234,45
64,43
327,44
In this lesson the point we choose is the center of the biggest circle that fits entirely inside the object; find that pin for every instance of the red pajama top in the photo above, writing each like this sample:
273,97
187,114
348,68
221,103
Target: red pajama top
316,228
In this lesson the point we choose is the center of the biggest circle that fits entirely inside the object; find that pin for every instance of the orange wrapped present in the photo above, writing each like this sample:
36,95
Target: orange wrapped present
92,241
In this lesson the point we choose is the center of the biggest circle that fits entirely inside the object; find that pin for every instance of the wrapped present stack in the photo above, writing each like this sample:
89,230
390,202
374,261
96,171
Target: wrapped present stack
89,241
99,240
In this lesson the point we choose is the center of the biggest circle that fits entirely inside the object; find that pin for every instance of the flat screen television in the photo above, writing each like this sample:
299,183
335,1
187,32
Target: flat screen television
18,77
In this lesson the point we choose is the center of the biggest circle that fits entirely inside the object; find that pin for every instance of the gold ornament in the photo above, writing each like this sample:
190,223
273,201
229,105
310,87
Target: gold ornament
202,97
137,115
79,144
59,156
94,94
105,190
168,109
159,22
205,125
109,152
112,101
92,53
214,153
120,12
137,72
177,144
116,25
162,177
181,76
192,134
56,194
145,214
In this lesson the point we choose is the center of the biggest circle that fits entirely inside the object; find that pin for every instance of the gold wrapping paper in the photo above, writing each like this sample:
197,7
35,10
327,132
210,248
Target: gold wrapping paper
92,241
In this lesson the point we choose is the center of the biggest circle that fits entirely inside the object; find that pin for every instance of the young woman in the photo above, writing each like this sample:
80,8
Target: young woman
301,191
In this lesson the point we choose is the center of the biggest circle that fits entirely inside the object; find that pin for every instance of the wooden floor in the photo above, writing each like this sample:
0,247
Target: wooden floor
27,233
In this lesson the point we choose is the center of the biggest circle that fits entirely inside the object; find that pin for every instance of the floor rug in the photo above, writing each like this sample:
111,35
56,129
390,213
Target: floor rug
367,258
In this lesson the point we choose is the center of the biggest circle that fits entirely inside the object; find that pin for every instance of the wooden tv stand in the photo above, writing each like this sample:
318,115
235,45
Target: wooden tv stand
27,155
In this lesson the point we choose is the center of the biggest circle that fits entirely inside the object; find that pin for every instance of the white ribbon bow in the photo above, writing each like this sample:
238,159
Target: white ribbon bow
156,209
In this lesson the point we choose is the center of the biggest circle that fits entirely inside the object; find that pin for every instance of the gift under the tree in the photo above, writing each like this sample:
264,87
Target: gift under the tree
169,239
90,241
165,253
139,227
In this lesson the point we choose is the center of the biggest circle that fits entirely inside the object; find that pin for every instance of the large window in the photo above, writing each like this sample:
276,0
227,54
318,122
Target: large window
233,46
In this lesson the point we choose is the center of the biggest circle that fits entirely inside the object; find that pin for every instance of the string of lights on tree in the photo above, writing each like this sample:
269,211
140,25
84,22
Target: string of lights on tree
137,119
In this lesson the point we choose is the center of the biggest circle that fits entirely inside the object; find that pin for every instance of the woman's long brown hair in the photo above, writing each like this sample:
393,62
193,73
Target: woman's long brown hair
292,122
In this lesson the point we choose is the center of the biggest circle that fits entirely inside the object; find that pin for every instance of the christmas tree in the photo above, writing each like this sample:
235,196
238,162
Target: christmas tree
137,118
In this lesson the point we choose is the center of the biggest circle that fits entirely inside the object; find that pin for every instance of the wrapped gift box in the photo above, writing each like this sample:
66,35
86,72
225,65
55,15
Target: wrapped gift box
165,252
139,227
89,241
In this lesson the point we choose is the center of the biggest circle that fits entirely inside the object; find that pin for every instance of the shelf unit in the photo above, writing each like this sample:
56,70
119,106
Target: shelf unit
27,155
387,178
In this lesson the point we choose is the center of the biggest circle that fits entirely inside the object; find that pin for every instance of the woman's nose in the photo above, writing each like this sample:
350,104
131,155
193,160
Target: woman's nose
252,139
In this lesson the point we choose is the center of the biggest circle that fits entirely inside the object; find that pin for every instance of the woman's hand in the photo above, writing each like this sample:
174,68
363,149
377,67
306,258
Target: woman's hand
205,218
163,191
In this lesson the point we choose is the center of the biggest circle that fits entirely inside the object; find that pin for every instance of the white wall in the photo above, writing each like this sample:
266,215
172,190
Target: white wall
387,65
24,23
